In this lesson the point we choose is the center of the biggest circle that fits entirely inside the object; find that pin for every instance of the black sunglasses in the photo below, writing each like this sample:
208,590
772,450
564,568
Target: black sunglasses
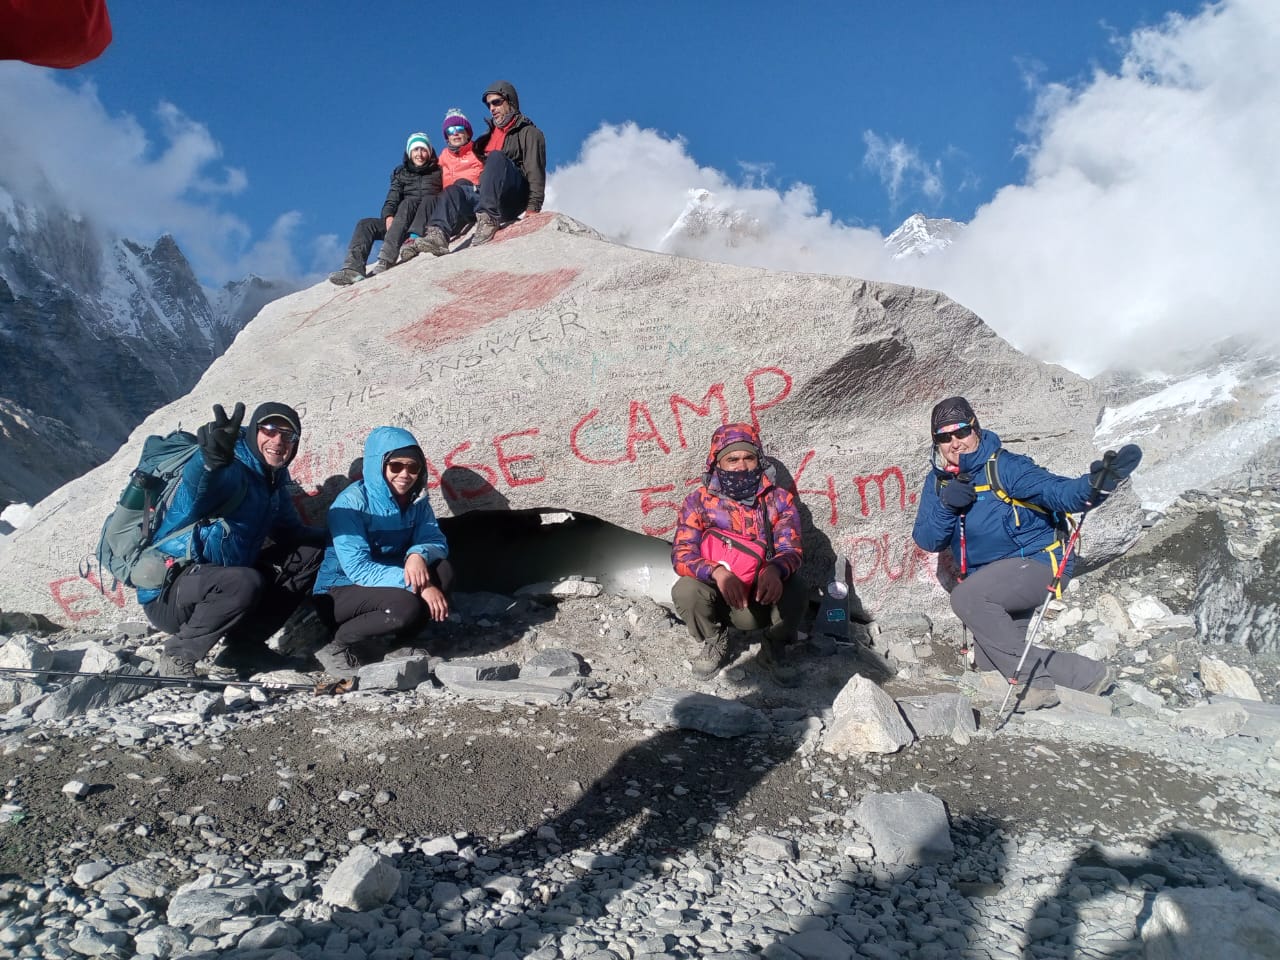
960,433
495,102
271,430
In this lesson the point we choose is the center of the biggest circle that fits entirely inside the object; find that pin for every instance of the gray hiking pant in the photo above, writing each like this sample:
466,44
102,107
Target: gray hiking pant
997,604
706,613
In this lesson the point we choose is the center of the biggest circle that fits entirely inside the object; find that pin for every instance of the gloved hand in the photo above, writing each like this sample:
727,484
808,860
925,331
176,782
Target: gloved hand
958,495
1114,467
218,437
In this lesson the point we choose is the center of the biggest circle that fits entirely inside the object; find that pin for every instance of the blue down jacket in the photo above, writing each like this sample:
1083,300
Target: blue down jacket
994,530
372,534
235,539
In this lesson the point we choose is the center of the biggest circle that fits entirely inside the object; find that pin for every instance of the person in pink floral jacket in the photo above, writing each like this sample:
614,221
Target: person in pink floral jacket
740,496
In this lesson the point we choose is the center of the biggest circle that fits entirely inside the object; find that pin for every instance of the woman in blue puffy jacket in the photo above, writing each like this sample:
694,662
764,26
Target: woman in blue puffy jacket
1006,553
386,570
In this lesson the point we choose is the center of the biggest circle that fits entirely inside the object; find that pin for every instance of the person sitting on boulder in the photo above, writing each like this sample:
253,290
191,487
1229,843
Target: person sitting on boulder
414,182
220,571
455,209
1008,551
737,551
386,570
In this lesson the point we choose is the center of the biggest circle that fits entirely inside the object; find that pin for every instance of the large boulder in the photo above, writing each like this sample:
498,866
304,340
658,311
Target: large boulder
553,369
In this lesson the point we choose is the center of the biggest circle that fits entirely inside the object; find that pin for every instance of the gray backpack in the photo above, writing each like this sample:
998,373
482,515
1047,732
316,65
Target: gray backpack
124,545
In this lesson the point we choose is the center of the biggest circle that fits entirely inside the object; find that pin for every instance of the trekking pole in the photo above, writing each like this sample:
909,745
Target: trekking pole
965,651
1054,586
318,689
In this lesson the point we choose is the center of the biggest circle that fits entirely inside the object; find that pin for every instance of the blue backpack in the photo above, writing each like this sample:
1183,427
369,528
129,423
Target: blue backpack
124,545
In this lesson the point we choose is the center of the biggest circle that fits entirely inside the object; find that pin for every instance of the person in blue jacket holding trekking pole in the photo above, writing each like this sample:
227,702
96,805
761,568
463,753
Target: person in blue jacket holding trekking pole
1008,539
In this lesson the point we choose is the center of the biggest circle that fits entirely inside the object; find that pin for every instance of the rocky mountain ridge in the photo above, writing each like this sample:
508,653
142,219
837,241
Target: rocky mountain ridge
96,331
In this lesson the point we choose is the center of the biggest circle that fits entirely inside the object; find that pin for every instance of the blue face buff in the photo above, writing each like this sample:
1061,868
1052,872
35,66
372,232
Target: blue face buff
740,485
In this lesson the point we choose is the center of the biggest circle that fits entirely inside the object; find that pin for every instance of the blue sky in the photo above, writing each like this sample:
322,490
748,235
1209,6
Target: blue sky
258,133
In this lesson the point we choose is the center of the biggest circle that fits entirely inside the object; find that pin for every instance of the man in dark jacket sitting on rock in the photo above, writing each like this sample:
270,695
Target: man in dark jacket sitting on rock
414,182
515,163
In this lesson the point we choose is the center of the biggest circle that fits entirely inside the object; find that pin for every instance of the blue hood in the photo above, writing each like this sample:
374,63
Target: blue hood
381,442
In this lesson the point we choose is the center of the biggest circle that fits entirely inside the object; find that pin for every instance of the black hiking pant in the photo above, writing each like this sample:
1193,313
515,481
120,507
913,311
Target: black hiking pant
504,190
206,602
998,603
371,229
451,210
358,614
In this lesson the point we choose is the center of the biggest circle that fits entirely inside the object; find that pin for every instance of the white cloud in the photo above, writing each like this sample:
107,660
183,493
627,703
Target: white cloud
1145,223
1148,212
58,142
901,168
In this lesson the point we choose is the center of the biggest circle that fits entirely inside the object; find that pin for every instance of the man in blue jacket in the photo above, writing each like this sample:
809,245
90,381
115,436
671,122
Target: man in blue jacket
232,497
1007,551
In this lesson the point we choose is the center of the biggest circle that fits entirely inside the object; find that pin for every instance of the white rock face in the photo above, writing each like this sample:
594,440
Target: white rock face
552,369
865,720
364,880
1219,677
1189,923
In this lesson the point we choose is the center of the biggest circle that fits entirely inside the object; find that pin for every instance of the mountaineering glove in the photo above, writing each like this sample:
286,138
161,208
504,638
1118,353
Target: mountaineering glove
1108,473
218,437
958,495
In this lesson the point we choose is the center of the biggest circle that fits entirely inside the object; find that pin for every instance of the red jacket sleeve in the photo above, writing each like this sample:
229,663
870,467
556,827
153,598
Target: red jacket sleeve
54,33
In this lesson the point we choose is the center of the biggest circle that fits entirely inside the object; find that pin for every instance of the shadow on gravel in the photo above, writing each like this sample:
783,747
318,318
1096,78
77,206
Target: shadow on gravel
661,798
1193,905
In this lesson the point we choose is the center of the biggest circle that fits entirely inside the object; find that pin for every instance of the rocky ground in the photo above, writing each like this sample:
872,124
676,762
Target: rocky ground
483,814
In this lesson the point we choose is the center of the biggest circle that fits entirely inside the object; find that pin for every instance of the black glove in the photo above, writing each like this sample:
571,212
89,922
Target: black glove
218,437
958,495
1114,467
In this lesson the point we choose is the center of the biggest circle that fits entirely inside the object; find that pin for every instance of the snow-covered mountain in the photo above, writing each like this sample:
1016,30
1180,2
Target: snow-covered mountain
96,332
704,215
919,236
1210,423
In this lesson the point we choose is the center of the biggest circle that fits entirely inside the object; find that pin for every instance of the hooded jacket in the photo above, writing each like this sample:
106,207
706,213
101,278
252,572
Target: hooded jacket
412,183
234,540
706,508
524,144
993,529
461,164
372,535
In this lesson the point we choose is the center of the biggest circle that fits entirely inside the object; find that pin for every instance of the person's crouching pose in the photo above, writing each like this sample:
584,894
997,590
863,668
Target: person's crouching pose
385,571
737,550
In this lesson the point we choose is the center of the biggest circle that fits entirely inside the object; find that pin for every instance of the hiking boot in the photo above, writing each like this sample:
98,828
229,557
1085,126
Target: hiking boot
434,242
346,276
380,267
715,654
178,667
1103,683
773,658
486,227
1035,698
338,660
409,250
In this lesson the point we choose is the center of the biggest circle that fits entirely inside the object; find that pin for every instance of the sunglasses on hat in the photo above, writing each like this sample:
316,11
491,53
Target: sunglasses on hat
959,433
